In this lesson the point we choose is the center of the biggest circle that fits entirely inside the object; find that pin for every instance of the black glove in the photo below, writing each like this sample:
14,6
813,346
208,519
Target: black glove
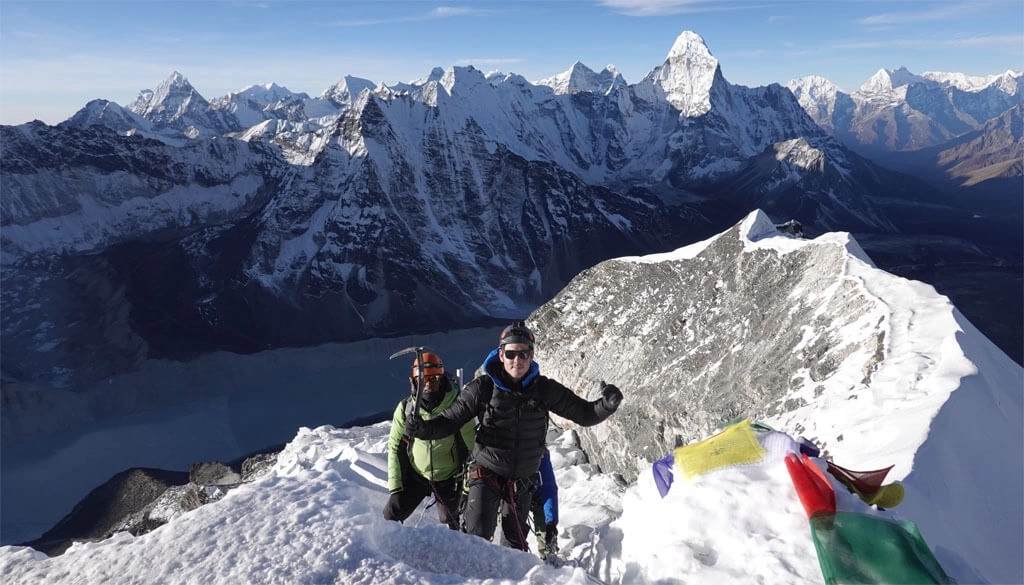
414,426
611,395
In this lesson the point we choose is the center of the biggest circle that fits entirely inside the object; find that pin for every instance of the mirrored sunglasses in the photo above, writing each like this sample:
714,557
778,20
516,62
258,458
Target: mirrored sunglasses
511,354
435,378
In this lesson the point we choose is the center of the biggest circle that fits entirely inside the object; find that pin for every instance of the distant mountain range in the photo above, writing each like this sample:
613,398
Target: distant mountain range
177,225
918,123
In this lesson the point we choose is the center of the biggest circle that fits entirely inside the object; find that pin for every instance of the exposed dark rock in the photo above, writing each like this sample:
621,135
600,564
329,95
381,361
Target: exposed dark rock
139,500
106,507
213,473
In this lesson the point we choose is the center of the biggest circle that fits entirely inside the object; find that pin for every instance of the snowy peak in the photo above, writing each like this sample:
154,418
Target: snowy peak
176,110
756,225
466,77
817,96
256,103
109,114
813,89
888,80
174,97
902,76
878,83
346,90
176,83
1011,82
690,46
1008,82
580,78
687,75
266,93
435,75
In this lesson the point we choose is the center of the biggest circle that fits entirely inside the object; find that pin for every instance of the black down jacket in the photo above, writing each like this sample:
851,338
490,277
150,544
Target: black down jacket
511,434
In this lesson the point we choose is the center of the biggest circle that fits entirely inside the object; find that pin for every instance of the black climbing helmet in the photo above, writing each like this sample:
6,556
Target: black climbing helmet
517,332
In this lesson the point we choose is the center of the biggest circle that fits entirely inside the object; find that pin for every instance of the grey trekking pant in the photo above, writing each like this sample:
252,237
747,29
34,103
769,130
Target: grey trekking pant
490,493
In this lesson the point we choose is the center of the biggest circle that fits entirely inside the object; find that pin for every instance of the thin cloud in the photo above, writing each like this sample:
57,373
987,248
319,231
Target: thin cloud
942,12
438,13
368,21
983,41
1009,41
668,7
449,11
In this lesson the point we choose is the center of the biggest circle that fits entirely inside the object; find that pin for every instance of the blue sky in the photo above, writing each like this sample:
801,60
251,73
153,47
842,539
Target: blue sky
56,56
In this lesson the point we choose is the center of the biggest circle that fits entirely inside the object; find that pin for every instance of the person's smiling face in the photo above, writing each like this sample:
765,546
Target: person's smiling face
516,358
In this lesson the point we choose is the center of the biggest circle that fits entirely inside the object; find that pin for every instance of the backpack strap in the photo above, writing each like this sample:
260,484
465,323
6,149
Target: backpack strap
462,452
405,448
407,408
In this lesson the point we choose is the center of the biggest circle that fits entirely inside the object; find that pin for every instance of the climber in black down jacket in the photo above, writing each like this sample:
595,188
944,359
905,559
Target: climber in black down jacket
512,401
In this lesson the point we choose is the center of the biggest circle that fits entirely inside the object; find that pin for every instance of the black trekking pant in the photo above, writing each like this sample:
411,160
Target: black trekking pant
489,492
403,503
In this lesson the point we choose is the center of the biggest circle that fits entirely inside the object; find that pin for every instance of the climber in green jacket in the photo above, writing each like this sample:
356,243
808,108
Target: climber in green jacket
418,468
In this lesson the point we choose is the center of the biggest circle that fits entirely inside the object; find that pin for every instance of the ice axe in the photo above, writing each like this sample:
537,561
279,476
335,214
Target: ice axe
418,350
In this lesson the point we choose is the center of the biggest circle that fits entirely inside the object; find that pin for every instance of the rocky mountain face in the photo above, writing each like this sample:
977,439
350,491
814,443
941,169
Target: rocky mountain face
732,327
710,333
757,324
266,218
993,152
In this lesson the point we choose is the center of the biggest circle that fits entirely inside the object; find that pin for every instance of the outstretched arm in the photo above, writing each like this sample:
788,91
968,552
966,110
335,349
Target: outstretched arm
566,404
449,421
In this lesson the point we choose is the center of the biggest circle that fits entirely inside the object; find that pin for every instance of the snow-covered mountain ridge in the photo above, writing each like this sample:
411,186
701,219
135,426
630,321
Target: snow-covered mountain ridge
898,111
755,324
380,210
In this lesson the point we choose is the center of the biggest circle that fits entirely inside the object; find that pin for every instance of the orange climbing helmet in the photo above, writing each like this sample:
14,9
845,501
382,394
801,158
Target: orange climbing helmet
432,365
